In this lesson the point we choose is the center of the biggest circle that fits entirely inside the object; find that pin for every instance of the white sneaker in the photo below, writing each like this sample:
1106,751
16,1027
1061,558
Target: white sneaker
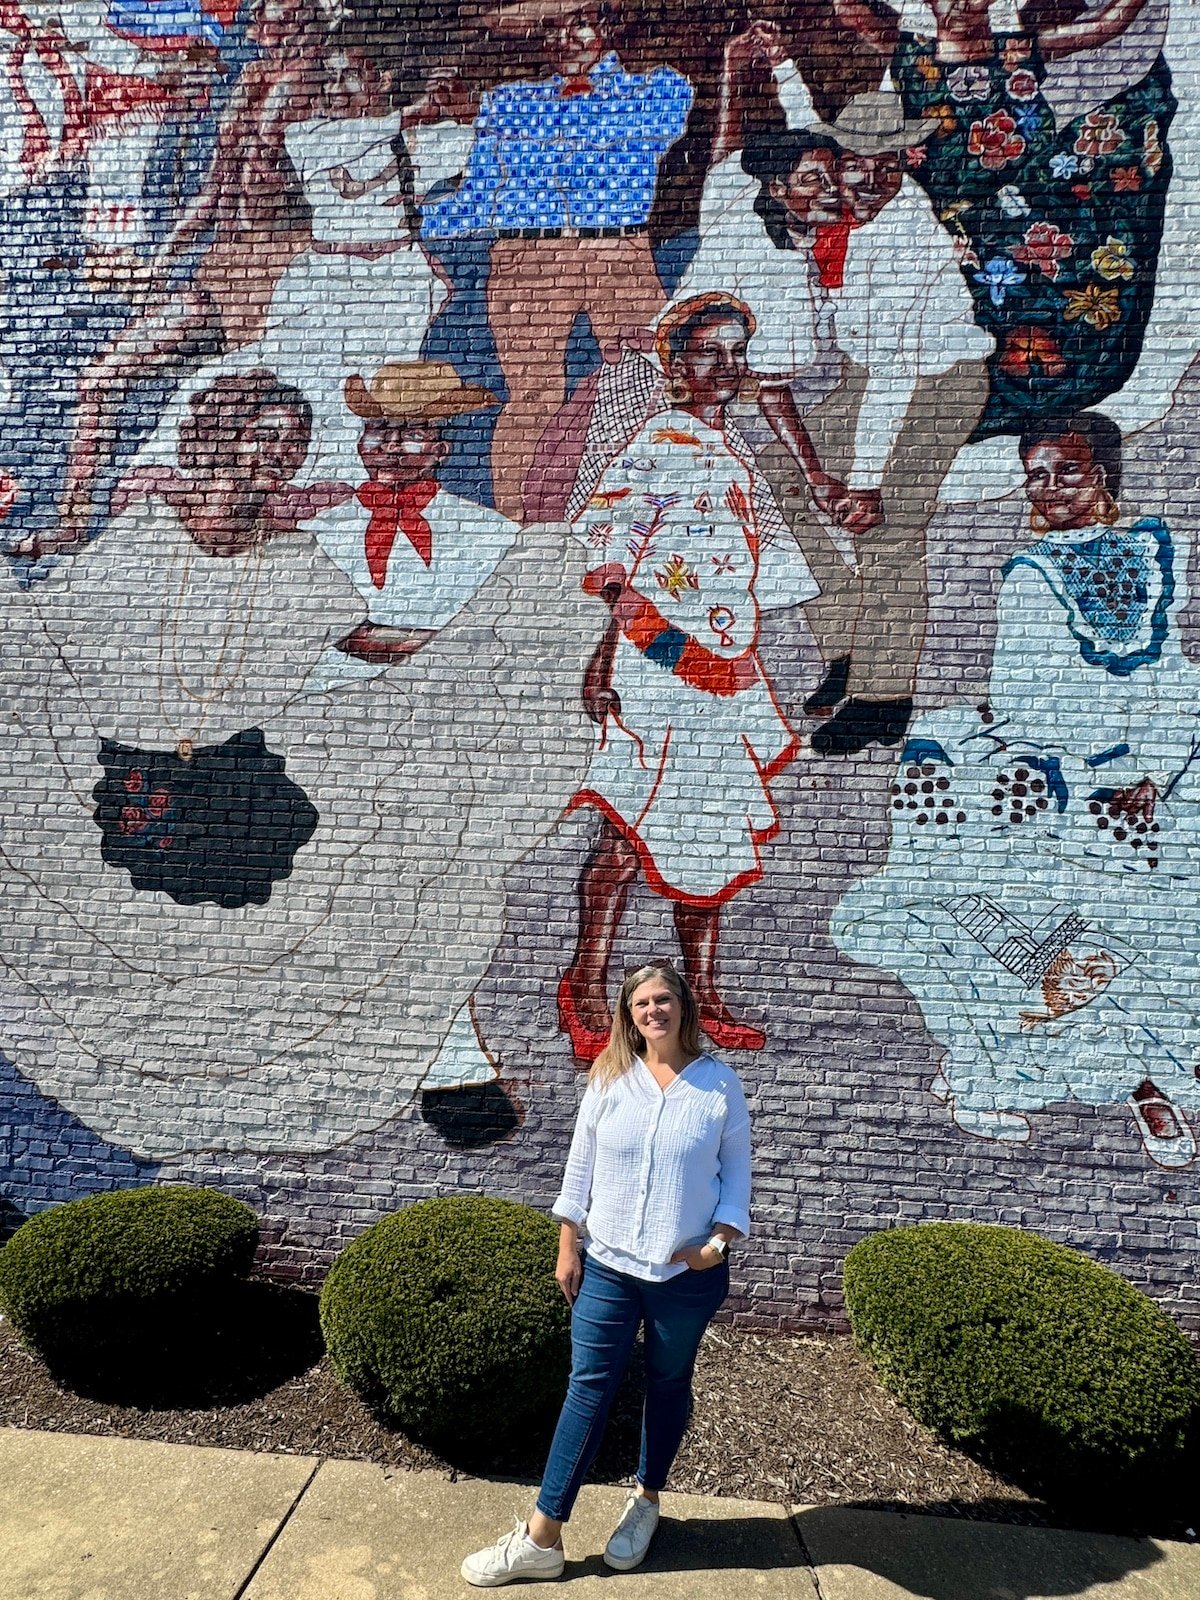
511,1557
632,1535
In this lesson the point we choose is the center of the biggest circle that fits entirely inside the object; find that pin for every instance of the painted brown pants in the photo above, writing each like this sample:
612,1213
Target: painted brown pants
877,615
536,289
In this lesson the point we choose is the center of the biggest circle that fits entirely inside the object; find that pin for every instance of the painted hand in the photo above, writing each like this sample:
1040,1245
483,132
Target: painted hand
859,510
1137,802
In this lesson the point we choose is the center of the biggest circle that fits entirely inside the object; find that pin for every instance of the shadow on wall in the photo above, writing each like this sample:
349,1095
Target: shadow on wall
48,1156
940,1559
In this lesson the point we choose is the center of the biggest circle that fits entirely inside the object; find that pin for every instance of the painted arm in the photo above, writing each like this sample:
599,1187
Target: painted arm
778,405
600,699
875,23
222,180
761,41
1088,31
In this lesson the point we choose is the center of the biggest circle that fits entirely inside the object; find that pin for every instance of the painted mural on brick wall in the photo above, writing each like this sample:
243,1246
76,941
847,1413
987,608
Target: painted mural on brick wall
423,430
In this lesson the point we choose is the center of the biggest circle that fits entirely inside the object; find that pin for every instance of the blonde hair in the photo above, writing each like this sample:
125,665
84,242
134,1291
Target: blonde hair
625,1039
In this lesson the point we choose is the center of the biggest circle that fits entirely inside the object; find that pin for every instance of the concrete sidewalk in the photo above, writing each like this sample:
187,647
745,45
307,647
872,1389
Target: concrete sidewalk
86,1518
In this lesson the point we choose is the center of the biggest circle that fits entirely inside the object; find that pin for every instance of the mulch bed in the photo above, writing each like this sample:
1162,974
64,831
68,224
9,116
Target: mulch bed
789,1419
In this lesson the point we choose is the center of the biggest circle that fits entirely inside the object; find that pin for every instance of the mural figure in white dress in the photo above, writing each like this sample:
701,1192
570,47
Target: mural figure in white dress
1073,799
686,547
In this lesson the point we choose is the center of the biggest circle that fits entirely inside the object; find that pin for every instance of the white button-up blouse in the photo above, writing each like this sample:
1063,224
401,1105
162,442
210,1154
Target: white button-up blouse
652,1170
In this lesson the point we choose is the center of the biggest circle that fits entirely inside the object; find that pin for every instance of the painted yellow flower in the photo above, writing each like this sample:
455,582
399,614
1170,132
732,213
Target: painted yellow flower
1100,307
1112,260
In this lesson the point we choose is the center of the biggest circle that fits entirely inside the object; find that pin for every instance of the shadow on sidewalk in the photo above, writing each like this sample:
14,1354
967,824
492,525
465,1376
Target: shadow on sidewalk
938,1552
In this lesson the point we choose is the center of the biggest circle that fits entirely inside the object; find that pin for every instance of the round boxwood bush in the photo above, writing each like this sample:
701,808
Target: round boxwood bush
446,1317
118,1271
1034,1356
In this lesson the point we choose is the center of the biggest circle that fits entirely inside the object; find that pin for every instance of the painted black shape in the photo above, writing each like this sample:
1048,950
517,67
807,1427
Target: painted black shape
223,826
478,1114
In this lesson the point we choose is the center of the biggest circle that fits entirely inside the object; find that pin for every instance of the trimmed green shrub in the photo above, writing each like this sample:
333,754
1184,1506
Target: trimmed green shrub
1034,1356
446,1318
84,1279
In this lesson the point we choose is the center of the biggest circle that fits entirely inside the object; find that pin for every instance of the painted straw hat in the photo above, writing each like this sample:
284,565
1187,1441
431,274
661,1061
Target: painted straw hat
431,390
872,124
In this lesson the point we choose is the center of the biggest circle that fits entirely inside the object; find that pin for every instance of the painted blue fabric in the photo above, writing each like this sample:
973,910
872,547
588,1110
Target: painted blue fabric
1117,591
542,159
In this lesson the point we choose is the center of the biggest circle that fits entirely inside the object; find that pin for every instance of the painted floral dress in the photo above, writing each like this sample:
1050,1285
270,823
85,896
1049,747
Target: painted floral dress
1049,935
1060,228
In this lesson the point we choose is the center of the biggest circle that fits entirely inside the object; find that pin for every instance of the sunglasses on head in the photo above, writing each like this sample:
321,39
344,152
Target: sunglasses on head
660,963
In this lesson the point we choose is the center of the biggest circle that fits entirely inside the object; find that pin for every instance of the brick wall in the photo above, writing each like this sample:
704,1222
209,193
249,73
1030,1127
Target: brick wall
492,498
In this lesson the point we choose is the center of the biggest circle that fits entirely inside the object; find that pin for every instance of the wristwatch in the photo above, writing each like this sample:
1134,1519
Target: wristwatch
720,1244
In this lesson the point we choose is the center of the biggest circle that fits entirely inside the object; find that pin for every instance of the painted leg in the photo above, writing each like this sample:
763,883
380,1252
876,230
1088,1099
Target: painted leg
699,929
604,886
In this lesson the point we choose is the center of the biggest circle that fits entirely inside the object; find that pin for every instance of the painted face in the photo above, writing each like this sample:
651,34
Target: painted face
573,45
809,193
352,88
868,182
959,14
274,23
397,452
271,448
656,1011
712,364
1061,479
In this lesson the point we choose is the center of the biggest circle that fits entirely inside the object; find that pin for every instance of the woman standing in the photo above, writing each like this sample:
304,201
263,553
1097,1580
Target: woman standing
659,1177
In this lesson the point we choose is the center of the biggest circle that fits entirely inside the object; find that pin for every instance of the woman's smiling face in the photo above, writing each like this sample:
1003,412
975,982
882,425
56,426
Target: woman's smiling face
656,1011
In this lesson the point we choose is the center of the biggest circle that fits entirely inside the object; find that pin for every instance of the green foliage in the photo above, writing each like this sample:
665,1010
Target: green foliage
446,1317
82,1278
1030,1354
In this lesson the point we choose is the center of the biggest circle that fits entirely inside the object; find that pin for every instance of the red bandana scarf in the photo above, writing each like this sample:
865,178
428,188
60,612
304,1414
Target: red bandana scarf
830,243
395,511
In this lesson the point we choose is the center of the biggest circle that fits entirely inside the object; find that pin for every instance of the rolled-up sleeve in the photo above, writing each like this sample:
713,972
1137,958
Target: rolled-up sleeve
733,1206
575,1195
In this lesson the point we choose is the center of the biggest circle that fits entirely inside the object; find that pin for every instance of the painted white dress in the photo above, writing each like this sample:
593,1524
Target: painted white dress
1051,941
683,522
168,1021
365,292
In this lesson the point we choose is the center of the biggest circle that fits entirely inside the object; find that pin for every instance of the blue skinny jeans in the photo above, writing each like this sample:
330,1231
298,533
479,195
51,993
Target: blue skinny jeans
608,1311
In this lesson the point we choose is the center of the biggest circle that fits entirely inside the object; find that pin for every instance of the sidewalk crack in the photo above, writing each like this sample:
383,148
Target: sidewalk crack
804,1551
274,1539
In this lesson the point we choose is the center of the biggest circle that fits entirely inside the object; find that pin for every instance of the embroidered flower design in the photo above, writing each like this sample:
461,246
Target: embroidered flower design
915,157
737,503
969,83
1031,352
995,141
1125,180
607,498
1022,85
723,564
1064,165
1099,307
135,781
1011,201
1044,247
704,503
676,576
1152,153
1099,135
599,533
1113,261
1081,191
1001,278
